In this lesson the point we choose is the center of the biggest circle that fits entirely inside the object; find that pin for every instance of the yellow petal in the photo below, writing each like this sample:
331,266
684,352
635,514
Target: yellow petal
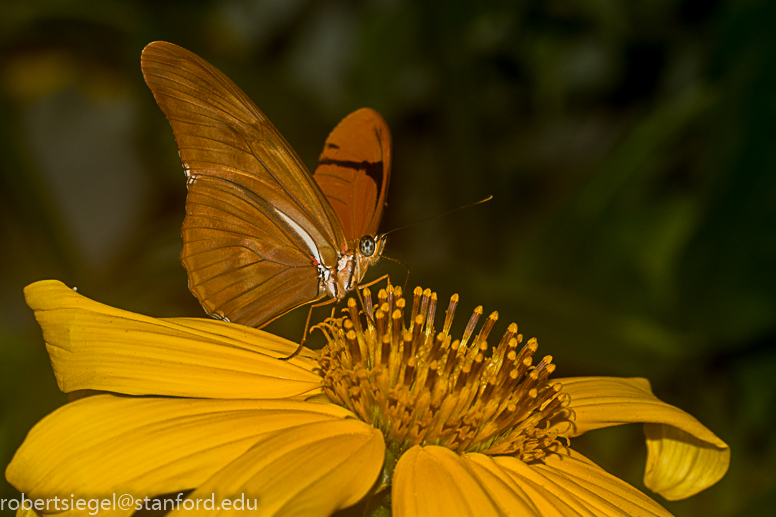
606,401
548,498
598,490
684,457
679,464
434,480
569,484
510,497
101,445
94,346
242,334
310,470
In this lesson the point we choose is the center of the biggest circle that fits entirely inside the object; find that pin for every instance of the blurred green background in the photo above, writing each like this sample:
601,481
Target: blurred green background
629,146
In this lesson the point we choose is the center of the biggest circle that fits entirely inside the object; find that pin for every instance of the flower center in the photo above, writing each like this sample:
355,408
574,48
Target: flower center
420,387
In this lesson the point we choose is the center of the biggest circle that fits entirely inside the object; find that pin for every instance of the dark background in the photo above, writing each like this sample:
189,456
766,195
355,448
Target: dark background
629,146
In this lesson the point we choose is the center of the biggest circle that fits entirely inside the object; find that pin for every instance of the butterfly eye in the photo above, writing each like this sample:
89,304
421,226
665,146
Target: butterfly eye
367,246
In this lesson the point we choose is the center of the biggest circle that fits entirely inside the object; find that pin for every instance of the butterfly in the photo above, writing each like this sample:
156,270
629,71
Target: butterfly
262,236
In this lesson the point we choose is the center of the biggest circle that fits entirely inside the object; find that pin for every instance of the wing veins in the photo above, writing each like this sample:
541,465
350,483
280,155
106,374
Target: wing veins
269,217
213,93
275,294
264,281
240,246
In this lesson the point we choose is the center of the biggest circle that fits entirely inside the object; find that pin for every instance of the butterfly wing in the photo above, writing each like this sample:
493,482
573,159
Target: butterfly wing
242,266
354,170
256,222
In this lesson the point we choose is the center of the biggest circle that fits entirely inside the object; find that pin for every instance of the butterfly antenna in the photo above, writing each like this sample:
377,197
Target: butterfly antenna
439,215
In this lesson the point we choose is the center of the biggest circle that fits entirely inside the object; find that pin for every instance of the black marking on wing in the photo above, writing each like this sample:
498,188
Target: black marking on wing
372,169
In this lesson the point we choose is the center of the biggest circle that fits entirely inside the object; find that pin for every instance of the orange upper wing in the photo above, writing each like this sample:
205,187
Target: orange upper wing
354,170
256,221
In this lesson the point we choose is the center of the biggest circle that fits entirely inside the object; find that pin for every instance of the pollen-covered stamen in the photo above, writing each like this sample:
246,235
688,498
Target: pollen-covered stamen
368,308
420,386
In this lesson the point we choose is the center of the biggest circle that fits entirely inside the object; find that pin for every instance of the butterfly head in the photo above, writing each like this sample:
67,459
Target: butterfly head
367,253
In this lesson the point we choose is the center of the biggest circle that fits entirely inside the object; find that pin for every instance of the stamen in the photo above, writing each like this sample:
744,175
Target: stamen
431,313
396,326
450,313
417,293
433,353
380,323
385,349
400,306
419,386
389,298
353,310
424,303
355,353
368,308
486,328
470,326
451,355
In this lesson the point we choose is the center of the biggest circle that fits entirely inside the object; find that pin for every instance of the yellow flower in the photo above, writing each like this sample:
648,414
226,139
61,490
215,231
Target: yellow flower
383,408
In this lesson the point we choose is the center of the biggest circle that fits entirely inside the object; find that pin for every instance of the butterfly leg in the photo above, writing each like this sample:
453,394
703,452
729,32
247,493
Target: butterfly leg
373,282
321,304
407,279
307,326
